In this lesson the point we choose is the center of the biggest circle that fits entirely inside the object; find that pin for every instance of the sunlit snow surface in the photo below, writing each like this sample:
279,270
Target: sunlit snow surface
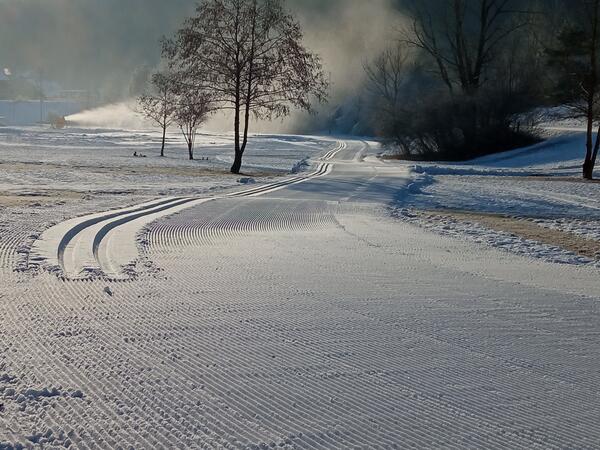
541,183
307,317
99,159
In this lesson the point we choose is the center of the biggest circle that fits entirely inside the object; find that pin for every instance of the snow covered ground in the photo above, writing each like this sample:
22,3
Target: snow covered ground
540,184
102,160
295,312
48,176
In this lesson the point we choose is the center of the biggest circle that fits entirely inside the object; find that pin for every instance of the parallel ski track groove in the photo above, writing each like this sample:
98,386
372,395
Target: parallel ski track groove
73,232
118,218
182,231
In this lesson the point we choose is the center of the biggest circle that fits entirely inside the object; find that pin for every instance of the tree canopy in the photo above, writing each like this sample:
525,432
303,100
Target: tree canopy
250,56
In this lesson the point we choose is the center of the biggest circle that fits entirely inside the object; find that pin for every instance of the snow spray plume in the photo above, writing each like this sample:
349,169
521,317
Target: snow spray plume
348,32
116,116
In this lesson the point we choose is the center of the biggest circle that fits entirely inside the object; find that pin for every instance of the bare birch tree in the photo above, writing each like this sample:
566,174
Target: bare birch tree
192,110
159,106
249,55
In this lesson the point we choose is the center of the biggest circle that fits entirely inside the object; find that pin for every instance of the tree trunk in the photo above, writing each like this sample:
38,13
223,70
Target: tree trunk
588,165
589,140
249,87
240,149
245,138
162,148
237,163
589,144
587,169
590,159
246,127
190,149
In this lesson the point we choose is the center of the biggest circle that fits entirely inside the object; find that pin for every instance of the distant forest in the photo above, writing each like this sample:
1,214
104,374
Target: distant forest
465,77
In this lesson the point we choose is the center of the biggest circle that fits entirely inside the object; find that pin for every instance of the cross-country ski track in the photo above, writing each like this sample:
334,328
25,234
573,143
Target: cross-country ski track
105,243
297,314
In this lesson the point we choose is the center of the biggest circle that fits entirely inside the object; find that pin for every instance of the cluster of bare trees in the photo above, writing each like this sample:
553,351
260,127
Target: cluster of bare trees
167,104
457,78
460,79
243,56
457,83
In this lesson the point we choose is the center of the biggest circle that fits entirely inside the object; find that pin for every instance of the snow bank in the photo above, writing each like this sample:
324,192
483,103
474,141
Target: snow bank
539,182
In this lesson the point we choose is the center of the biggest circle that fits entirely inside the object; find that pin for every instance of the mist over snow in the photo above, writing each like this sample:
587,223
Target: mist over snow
103,46
347,33
87,44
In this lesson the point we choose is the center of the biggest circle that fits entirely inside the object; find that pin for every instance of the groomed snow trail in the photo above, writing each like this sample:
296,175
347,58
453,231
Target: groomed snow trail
305,317
105,243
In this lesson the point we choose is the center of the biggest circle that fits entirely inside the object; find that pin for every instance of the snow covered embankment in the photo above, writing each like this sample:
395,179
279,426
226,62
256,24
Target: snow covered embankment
536,190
